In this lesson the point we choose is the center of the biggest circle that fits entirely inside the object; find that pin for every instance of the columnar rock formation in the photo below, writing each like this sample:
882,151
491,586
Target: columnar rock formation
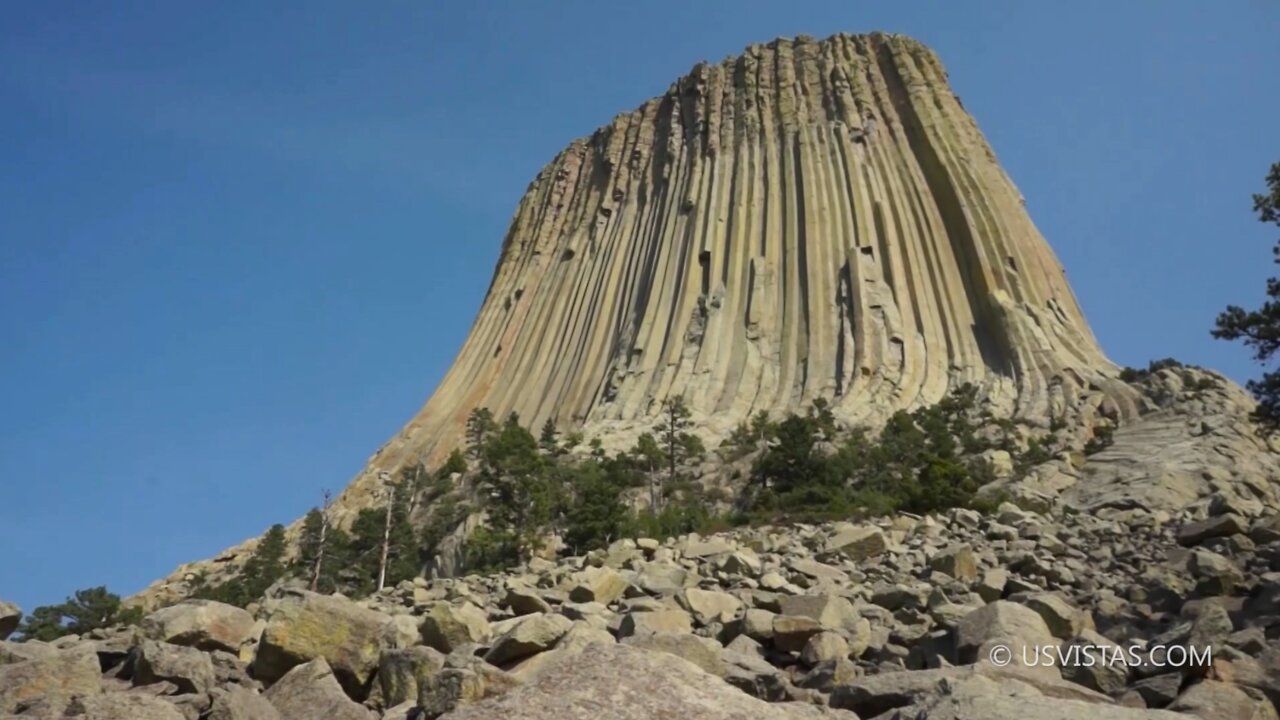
812,219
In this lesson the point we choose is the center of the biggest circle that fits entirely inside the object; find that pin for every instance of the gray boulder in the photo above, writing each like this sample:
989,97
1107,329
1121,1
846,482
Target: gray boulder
188,669
625,683
54,678
240,703
310,691
204,624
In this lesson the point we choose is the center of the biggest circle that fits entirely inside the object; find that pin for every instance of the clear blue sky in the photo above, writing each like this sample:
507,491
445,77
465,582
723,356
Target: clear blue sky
239,245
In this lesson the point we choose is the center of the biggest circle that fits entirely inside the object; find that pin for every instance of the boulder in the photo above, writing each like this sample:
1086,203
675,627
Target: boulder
625,683
446,627
304,626
10,617
655,622
991,587
55,677
311,690
742,562
598,584
524,600
661,579
461,686
792,632
859,543
958,561
831,611
757,624
240,703
1211,700
872,695
1005,707
401,671
122,706
203,624
708,606
703,652
1218,526
1063,620
1216,574
1001,622
824,646
532,635
581,635
188,669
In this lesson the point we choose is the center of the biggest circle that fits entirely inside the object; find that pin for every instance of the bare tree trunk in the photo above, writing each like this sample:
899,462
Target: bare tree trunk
324,530
386,539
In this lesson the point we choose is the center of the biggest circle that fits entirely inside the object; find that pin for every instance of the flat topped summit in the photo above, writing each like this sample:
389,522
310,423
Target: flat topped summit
811,219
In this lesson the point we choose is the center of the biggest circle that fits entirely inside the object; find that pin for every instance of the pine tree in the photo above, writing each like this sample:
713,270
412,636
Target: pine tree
323,551
549,440
87,610
649,456
260,571
1260,329
480,426
678,444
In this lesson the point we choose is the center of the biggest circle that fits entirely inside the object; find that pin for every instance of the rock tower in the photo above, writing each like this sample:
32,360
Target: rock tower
810,219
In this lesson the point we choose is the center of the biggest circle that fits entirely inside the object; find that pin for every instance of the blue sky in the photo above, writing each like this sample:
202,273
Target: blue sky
240,244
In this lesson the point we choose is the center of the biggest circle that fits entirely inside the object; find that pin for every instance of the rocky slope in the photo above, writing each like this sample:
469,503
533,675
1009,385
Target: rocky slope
896,619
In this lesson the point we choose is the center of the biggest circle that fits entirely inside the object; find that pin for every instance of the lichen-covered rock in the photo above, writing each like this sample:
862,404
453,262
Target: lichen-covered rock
401,671
303,626
533,634
459,686
446,626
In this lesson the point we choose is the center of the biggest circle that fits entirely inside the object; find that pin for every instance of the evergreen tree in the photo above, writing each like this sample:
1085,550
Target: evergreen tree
364,549
647,455
522,497
549,440
679,446
260,571
1260,329
336,548
480,426
88,609
596,516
